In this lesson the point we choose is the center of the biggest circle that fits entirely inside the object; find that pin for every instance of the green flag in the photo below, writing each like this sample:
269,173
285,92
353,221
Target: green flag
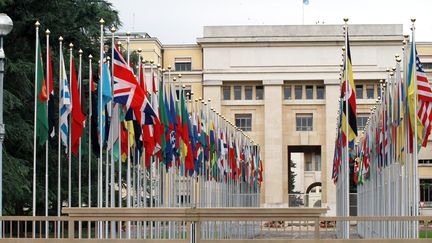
42,97
164,120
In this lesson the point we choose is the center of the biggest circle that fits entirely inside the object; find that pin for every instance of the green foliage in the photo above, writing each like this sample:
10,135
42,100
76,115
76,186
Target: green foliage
294,201
77,21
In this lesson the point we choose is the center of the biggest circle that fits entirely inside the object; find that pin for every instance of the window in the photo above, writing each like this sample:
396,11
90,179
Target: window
244,121
426,192
183,64
308,165
359,91
298,92
427,65
425,161
303,122
287,92
227,92
248,92
309,92
317,162
237,92
370,91
187,92
361,121
320,92
259,90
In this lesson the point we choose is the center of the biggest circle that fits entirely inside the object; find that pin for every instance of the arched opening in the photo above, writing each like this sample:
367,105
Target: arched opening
313,195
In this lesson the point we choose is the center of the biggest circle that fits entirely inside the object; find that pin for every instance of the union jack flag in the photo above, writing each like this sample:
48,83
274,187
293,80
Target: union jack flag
128,92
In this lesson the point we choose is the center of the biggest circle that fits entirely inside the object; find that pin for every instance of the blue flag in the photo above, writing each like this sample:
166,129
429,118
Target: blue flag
106,97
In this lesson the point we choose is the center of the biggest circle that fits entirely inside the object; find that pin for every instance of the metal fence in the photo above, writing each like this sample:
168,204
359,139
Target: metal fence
203,225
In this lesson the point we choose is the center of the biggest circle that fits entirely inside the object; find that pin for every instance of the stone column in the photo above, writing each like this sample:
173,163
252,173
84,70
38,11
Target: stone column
328,196
273,143
213,89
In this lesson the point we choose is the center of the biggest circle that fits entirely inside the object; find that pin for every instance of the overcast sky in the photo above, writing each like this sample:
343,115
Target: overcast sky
182,21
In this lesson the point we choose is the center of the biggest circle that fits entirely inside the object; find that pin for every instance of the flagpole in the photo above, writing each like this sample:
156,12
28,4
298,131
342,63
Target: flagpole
346,166
90,115
79,145
70,134
415,190
37,24
100,88
47,32
59,139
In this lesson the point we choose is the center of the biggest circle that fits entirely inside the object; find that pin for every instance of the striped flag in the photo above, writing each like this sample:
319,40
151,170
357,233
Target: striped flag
128,92
424,93
65,103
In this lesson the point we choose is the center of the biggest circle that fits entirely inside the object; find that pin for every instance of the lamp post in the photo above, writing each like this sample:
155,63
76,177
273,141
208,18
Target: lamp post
5,27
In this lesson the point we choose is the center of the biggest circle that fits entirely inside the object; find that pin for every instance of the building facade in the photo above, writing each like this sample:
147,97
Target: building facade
281,85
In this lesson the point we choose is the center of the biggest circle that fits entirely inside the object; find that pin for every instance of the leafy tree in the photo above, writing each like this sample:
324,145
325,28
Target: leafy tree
294,200
77,21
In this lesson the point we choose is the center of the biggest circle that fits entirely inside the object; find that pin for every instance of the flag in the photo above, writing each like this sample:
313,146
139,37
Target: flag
41,115
65,103
51,120
424,98
78,117
128,92
104,96
348,91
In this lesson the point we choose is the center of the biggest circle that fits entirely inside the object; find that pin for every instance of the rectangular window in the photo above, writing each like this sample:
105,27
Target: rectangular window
237,92
308,165
183,64
304,122
426,192
244,121
370,91
298,92
427,65
359,91
309,92
425,161
361,121
248,92
287,92
320,92
317,162
186,91
226,92
259,92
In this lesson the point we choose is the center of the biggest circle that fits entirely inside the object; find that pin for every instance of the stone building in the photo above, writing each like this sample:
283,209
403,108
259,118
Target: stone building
281,85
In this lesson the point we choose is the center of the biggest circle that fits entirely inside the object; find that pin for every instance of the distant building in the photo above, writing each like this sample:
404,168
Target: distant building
281,85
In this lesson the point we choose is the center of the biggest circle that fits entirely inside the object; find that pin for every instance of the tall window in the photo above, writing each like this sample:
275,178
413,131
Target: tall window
248,92
359,91
237,92
244,121
298,92
361,121
317,162
226,92
370,91
426,191
304,122
309,92
287,92
259,92
183,64
320,92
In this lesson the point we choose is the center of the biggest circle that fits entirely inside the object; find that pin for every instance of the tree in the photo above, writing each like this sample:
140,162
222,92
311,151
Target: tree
294,200
77,21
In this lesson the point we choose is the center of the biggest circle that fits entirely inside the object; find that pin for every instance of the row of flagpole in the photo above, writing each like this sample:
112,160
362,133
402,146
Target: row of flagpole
224,168
385,157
